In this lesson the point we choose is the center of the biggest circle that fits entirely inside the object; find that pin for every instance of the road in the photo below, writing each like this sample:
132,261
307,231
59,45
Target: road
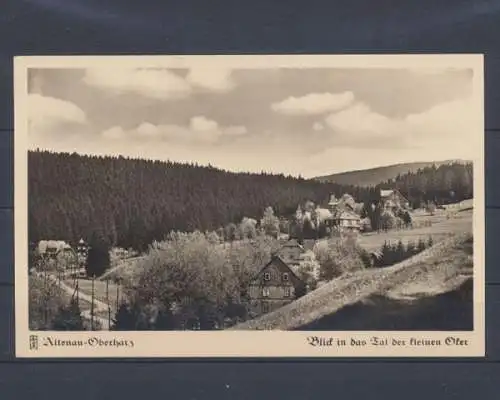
99,306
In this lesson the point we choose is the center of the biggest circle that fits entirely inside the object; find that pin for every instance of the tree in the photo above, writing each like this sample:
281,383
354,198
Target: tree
431,207
387,220
339,256
98,259
270,223
400,251
69,318
125,319
421,245
411,249
247,228
230,232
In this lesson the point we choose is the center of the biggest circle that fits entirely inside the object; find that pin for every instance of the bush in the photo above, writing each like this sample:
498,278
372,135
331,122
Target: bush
68,318
387,221
45,301
340,256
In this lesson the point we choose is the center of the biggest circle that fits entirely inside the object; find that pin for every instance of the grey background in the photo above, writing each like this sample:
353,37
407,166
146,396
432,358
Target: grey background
189,27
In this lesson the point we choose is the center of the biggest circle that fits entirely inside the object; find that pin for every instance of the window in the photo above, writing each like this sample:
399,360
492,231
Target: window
285,276
267,276
265,307
265,292
287,291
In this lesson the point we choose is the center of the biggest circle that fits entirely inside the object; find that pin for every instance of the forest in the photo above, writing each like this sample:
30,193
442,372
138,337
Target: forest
132,202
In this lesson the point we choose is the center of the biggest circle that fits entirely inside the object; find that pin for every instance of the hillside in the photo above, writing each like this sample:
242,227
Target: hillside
430,291
375,176
131,202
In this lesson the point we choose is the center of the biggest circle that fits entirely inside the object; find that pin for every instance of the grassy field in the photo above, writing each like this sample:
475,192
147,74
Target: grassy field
438,269
441,228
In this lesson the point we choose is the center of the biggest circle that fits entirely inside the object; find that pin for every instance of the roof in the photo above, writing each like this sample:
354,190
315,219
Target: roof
279,261
348,215
309,244
292,243
388,192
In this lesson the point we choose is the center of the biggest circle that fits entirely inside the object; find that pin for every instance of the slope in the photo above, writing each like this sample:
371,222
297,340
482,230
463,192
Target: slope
376,299
374,176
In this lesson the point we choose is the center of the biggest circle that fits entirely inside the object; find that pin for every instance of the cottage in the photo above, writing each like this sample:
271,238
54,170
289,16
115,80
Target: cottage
274,286
343,218
393,199
57,252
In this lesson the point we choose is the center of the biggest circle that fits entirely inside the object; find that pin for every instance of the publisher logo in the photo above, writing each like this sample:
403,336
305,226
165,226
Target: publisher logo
33,342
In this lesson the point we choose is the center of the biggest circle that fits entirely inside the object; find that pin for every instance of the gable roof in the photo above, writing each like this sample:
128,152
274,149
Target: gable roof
278,261
292,243
348,215
388,192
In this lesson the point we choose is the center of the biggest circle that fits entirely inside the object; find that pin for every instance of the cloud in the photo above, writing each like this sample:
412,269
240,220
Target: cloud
45,113
115,132
159,83
447,124
202,124
200,130
214,79
318,126
155,83
313,103
360,120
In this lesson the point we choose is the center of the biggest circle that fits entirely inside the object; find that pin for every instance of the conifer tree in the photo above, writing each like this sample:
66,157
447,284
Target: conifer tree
125,319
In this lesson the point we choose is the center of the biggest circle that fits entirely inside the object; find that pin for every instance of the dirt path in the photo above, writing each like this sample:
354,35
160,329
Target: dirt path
99,306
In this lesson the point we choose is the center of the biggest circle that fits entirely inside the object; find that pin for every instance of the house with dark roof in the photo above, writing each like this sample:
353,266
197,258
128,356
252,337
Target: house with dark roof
274,286
393,199
343,218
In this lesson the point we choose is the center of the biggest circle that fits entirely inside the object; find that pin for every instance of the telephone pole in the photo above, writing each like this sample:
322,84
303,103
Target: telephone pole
92,306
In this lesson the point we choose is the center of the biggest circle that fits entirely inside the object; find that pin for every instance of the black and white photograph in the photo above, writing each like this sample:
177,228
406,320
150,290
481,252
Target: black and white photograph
249,205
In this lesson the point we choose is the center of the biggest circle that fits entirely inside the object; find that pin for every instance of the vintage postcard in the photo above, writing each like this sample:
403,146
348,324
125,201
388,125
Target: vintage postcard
249,206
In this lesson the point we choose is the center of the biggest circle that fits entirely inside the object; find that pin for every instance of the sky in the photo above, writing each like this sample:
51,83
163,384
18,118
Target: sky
298,121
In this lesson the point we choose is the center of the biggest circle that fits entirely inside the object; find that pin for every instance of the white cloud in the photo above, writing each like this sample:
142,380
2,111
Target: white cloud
159,83
360,120
318,126
46,113
203,124
215,79
200,130
115,132
147,129
445,129
154,83
313,103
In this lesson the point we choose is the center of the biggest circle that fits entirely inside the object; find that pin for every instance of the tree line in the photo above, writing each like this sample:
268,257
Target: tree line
131,202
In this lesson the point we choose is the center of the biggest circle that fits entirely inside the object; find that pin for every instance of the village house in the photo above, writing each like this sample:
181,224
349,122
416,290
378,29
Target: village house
343,218
275,286
392,199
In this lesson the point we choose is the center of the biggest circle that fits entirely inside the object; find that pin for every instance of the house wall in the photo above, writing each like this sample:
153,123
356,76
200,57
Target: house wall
276,287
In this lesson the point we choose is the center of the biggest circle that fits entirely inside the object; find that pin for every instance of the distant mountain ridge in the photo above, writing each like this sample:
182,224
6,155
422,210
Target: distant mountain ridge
374,176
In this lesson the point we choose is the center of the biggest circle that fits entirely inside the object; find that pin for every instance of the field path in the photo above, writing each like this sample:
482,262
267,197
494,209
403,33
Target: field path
99,306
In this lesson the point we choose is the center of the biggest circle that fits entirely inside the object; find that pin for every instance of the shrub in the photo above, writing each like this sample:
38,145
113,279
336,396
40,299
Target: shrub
340,256
69,318
387,220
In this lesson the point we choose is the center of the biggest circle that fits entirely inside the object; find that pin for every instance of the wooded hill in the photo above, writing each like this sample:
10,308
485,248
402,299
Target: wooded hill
131,202
373,176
